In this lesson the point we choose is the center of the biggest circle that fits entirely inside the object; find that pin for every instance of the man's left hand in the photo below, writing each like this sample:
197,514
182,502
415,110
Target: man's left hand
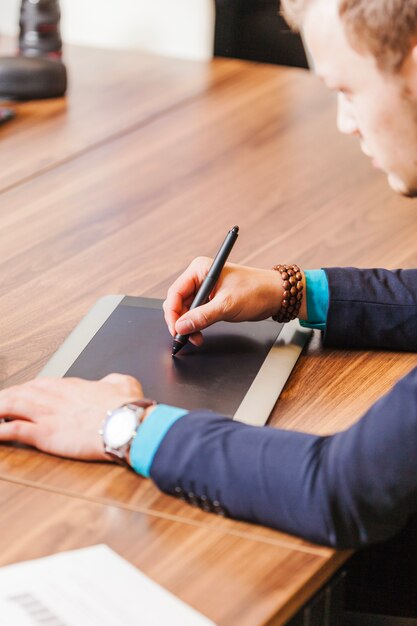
63,416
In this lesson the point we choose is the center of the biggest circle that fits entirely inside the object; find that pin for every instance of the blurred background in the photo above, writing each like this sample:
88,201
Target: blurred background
193,29
180,28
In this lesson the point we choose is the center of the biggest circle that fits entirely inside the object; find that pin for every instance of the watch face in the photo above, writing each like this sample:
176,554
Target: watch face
119,428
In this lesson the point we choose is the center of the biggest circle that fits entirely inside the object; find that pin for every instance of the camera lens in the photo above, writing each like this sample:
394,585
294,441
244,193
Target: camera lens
40,28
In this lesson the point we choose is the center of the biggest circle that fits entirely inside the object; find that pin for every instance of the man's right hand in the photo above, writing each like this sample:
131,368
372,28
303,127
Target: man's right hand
241,294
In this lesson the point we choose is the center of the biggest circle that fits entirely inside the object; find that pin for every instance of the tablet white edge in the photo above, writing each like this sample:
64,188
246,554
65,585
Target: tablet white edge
262,395
78,339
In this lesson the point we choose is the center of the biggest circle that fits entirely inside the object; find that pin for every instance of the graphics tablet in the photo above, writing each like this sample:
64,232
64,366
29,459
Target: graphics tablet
239,370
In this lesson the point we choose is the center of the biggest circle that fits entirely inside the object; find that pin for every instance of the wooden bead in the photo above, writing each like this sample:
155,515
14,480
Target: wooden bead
292,292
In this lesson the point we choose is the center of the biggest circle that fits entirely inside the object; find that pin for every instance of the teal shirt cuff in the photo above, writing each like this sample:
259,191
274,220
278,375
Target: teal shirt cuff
149,436
317,289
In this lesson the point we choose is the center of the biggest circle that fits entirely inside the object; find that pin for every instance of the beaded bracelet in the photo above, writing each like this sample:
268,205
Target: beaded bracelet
292,283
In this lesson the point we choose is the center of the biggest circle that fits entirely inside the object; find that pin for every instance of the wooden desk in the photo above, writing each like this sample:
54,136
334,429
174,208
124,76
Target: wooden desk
234,581
88,203
110,94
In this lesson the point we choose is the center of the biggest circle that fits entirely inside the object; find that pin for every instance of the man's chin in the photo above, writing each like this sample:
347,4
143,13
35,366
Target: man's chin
399,186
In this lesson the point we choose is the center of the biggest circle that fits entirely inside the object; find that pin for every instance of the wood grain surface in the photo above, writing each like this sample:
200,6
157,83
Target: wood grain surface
107,203
110,484
233,581
111,92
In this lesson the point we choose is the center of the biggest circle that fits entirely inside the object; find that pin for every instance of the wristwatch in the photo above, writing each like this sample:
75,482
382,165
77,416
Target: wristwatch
120,427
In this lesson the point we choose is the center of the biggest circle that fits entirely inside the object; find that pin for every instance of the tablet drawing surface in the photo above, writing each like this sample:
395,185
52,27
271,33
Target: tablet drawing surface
133,339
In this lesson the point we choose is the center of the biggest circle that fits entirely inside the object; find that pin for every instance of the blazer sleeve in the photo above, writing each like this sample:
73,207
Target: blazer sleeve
347,490
372,308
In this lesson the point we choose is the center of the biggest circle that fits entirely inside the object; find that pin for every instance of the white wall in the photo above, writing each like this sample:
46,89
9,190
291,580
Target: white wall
181,28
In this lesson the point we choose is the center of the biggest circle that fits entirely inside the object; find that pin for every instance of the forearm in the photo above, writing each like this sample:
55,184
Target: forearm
335,490
372,308
348,490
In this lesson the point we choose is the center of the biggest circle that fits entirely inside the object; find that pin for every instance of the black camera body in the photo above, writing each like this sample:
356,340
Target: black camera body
37,71
31,78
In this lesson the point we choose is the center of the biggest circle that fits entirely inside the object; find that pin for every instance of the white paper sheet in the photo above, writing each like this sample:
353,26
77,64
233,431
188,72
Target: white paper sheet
89,587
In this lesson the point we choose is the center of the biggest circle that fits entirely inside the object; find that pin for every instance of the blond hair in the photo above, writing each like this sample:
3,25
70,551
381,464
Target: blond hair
385,28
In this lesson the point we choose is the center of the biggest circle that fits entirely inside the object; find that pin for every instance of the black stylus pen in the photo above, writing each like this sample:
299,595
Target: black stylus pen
208,283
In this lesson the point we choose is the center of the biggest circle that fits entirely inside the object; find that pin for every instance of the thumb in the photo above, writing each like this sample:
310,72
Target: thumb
197,319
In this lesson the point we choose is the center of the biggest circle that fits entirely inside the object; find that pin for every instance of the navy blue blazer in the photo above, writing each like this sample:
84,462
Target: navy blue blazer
347,490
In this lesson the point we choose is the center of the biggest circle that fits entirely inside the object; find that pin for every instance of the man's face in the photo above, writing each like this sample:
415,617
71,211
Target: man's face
379,108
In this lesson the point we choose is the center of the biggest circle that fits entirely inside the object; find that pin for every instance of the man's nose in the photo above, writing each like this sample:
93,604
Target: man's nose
346,121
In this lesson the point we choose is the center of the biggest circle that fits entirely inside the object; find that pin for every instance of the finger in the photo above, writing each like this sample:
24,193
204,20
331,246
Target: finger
190,280
184,289
171,321
173,309
129,384
197,319
197,339
18,430
19,402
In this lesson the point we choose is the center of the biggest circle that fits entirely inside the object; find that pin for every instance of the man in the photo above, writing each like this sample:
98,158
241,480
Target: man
350,489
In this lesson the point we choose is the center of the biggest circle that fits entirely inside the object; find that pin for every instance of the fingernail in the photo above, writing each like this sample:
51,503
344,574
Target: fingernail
185,327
